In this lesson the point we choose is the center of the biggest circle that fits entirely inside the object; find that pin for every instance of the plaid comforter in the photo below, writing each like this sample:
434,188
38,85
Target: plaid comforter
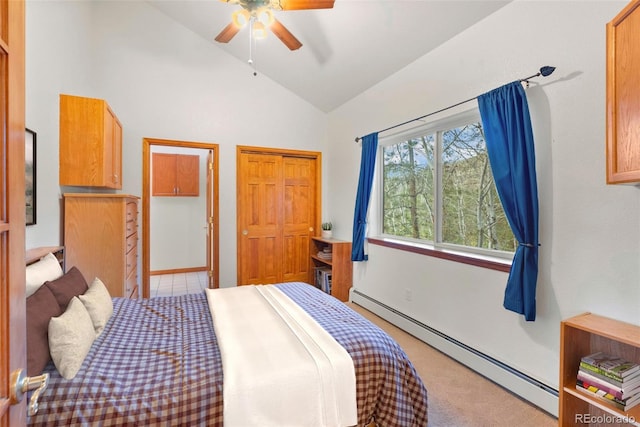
157,363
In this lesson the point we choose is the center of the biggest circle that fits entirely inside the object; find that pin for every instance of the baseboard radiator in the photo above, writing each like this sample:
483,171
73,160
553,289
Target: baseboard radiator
530,389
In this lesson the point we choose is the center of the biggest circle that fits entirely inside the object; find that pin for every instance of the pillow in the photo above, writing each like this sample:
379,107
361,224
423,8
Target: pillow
41,307
98,303
70,338
47,269
70,285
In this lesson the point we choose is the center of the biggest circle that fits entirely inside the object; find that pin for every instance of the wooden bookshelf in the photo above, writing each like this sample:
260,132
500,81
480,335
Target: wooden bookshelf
582,335
340,265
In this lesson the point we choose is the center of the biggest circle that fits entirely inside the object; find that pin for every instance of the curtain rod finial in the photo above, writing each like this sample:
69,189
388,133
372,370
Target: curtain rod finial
357,139
547,70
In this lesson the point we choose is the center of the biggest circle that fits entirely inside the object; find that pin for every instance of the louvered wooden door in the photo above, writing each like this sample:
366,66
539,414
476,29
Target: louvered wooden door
278,202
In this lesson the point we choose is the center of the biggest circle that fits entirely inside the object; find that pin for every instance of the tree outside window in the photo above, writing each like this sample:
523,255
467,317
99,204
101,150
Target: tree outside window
464,210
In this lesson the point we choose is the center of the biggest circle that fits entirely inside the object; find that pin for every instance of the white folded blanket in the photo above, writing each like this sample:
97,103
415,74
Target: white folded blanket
280,367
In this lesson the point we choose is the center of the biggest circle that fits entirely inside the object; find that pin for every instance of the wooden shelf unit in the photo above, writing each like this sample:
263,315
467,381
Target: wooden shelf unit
582,335
340,265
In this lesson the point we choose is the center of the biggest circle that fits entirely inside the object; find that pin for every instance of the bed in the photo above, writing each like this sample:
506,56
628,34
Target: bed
157,362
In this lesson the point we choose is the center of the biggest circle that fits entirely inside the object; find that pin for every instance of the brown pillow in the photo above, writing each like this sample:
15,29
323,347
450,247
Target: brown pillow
41,307
68,286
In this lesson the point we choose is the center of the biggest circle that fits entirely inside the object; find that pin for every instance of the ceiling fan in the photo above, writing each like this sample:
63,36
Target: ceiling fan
258,14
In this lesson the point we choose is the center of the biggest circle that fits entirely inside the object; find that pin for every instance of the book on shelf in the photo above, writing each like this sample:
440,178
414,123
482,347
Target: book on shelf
633,380
324,255
323,279
619,391
611,366
622,404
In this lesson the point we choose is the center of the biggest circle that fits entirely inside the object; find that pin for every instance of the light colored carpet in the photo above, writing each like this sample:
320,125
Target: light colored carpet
457,395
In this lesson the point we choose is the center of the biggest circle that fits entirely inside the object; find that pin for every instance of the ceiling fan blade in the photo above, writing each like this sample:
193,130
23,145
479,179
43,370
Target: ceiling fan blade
304,4
285,35
227,33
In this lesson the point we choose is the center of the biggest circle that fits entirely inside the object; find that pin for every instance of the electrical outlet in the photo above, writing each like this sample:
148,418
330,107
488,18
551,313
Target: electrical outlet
407,295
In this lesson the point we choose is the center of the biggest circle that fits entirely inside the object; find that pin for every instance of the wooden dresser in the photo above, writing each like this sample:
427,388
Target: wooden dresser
101,239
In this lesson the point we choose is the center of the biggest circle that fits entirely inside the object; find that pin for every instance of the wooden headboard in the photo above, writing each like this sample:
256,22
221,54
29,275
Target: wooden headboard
35,254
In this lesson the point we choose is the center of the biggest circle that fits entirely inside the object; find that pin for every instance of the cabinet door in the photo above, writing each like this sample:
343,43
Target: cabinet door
187,175
116,152
623,96
163,174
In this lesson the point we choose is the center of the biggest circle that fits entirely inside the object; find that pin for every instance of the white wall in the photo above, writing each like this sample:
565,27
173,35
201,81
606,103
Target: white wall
589,231
58,60
162,81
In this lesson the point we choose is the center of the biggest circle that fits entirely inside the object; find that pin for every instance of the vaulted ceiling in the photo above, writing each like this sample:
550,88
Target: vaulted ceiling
346,49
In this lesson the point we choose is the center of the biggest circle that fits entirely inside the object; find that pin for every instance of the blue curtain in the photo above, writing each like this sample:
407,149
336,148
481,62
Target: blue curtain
509,138
367,167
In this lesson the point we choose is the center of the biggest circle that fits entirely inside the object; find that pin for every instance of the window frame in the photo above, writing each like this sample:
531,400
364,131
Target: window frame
487,258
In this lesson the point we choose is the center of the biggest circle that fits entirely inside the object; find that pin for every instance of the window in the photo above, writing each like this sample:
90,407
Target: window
438,189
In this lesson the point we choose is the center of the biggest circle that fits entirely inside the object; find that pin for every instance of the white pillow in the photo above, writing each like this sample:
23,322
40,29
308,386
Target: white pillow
47,269
98,303
70,337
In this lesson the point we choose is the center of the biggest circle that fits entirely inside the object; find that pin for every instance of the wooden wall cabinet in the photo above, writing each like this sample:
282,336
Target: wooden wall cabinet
175,175
582,335
90,143
101,239
340,265
623,96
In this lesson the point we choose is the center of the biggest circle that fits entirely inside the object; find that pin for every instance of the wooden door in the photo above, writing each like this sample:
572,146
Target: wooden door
212,224
277,210
298,217
259,219
12,215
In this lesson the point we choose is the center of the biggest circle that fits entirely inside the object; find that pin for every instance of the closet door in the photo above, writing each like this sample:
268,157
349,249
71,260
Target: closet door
278,198
298,215
260,219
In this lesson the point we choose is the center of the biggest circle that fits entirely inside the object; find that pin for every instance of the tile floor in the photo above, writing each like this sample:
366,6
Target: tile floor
177,284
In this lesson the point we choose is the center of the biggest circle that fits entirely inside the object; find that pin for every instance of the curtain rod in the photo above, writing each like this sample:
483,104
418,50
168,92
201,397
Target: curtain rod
544,71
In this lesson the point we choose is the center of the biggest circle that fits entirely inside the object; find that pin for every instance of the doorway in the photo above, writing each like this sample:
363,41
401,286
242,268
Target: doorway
211,214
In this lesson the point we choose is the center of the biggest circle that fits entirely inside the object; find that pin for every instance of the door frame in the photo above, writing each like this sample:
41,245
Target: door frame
214,281
246,149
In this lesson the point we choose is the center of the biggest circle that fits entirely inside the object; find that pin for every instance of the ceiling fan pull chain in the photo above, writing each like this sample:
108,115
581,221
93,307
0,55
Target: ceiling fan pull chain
251,41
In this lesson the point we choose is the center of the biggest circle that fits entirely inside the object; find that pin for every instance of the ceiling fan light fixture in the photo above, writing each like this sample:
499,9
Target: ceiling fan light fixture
240,18
266,17
259,30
